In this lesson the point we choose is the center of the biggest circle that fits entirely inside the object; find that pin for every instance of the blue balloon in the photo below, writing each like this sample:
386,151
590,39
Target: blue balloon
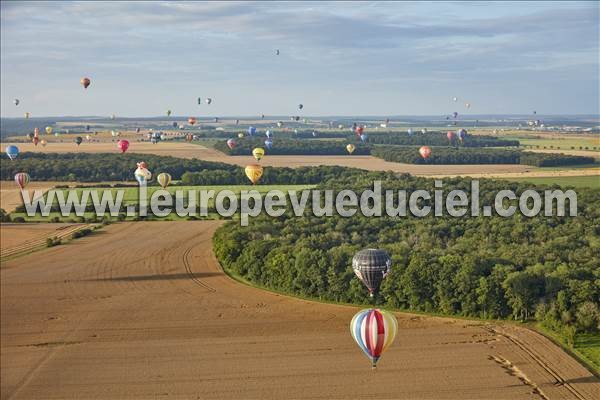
269,144
251,131
269,134
363,137
12,152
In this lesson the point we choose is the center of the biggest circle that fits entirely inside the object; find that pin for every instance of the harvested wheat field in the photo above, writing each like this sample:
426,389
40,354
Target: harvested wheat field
111,316
23,238
10,194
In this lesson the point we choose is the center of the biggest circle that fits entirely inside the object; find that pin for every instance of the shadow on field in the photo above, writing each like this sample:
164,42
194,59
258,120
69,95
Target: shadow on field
169,277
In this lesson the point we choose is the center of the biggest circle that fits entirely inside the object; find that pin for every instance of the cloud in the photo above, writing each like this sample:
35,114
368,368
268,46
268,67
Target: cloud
324,45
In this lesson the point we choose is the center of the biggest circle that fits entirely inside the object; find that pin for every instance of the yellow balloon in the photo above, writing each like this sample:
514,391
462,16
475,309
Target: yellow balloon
254,172
27,114
258,153
48,130
350,148
240,135
163,179
43,142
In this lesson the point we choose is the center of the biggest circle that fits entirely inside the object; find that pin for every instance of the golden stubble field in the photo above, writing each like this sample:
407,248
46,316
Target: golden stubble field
191,150
143,311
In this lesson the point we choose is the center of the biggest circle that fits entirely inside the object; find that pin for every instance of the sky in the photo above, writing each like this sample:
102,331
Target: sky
336,58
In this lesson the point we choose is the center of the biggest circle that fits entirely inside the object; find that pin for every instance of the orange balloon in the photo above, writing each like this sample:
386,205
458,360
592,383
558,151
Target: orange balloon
254,172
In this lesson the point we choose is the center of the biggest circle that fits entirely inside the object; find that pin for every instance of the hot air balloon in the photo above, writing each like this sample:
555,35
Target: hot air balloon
374,330
462,134
425,151
350,148
85,82
258,153
36,131
169,113
450,135
216,119
363,137
410,132
269,143
240,135
191,120
199,100
455,99
35,140
314,134
27,114
163,179
88,137
142,175
12,152
254,172
16,101
300,106
279,124
123,145
268,133
43,142
468,105
137,130
48,130
424,131
22,179
189,137
231,143
78,140
277,52
208,100
56,134
455,114
359,130
237,121
371,266
251,131
174,124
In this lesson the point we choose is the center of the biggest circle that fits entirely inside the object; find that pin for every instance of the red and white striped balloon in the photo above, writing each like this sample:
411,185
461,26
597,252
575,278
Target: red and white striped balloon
22,179
374,331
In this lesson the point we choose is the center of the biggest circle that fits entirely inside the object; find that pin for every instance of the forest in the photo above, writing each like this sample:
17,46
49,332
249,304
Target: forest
544,269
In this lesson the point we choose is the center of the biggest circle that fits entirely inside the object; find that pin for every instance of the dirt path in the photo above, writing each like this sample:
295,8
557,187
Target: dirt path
115,316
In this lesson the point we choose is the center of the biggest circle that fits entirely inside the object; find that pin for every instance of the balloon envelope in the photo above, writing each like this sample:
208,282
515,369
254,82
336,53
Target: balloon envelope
231,143
12,152
123,145
350,148
85,82
254,172
251,130
258,153
425,151
163,179
371,266
374,330
191,120
269,144
22,179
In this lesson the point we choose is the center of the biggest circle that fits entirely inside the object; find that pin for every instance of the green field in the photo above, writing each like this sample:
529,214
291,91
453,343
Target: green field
588,346
131,197
562,144
575,181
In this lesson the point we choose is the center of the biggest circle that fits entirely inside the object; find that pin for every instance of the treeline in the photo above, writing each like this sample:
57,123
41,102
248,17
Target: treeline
435,139
245,145
96,167
540,268
449,155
